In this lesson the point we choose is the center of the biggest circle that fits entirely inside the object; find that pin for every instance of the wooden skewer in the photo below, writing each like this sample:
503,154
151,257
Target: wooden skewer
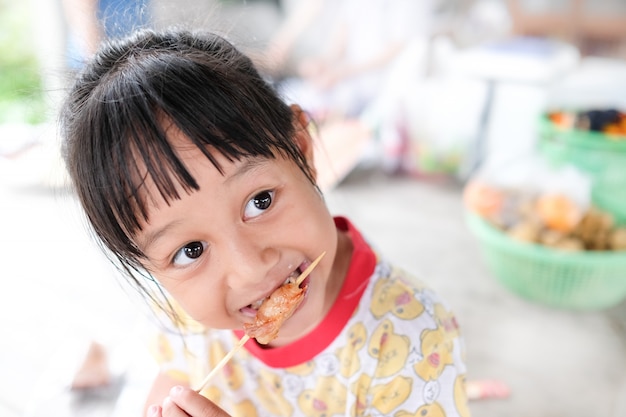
223,362
308,270
245,338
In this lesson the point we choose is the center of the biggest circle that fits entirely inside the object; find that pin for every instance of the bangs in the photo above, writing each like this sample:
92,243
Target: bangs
142,150
118,126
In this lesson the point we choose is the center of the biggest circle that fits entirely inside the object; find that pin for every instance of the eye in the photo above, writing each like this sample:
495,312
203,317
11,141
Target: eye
260,202
189,253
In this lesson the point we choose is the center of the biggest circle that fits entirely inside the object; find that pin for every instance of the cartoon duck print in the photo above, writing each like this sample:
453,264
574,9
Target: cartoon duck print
382,397
232,371
348,354
161,349
391,349
446,320
327,399
212,393
303,369
360,390
270,393
178,375
427,410
387,397
244,409
436,353
460,396
393,296
184,322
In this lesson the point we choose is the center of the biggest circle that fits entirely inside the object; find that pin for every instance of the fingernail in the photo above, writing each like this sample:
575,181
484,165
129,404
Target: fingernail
153,410
175,391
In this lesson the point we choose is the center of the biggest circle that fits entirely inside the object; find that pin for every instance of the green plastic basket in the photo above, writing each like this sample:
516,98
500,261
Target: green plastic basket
602,158
569,280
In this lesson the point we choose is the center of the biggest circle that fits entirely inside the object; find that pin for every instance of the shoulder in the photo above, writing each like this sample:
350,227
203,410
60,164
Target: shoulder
412,345
395,292
396,301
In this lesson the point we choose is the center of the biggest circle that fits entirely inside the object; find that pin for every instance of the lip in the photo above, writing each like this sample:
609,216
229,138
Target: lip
249,311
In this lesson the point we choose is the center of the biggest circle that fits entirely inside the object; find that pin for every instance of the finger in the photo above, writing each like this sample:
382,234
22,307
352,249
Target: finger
195,404
171,409
154,411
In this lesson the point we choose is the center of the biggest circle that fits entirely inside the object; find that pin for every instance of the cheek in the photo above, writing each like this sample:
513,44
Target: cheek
195,298
312,225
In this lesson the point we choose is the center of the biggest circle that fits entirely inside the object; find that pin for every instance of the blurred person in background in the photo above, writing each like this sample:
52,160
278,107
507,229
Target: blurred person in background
344,73
337,58
91,21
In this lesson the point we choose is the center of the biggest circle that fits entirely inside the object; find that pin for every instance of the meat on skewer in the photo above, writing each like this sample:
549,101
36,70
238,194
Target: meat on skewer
270,316
274,311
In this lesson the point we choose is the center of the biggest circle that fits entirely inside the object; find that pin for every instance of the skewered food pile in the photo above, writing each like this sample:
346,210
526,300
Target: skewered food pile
549,219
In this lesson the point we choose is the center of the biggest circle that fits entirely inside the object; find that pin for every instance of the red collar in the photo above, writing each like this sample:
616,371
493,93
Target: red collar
361,269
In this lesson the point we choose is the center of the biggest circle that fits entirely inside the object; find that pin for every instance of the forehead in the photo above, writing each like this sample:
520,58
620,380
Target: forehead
205,166
169,172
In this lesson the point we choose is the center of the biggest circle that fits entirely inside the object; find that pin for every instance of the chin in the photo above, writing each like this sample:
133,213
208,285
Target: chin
299,324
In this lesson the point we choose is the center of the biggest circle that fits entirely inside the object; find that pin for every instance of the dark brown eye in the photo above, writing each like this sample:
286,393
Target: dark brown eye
193,250
188,253
257,204
263,200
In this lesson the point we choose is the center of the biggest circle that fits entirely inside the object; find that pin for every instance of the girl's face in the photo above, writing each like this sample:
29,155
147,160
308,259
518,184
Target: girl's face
221,249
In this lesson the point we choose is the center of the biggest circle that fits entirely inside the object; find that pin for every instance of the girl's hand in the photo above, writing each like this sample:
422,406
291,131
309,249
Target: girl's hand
183,402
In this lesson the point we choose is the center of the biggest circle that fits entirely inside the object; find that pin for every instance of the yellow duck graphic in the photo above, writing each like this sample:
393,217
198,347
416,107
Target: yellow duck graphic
383,397
391,349
392,296
303,369
212,393
427,410
244,409
460,396
436,354
360,390
232,371
161,349
270,393
348,355
327,399
387,397
446,320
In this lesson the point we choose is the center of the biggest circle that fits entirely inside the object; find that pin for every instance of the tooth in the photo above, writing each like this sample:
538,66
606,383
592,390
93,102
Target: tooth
289,280
292,277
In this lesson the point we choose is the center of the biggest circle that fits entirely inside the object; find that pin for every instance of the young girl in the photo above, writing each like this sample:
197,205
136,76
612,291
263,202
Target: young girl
195,175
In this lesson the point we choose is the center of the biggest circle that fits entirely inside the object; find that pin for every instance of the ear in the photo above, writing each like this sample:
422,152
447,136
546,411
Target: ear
303,136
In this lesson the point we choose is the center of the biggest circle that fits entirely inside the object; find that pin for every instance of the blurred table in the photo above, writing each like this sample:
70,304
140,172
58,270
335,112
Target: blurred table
529,65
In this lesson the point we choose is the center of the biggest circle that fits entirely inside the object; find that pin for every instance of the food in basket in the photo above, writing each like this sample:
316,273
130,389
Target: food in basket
526,231
558,212
580,280
611,122
595,229
549,219
484,199
618,239
504,208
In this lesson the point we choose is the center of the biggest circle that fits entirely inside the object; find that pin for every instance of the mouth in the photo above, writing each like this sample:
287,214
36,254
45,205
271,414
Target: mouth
252,308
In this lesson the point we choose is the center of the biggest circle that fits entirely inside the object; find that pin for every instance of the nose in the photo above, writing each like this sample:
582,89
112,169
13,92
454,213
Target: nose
247,260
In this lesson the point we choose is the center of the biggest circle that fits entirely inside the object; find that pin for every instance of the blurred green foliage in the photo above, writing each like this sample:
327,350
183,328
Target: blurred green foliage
21,92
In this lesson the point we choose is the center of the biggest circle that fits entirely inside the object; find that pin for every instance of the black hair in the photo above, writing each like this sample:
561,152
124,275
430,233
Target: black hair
113,123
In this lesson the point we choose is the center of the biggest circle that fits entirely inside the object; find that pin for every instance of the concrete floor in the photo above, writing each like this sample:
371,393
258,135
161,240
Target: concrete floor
59,293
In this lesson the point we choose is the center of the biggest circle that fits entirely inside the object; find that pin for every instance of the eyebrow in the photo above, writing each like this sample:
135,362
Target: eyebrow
250,164
154,236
